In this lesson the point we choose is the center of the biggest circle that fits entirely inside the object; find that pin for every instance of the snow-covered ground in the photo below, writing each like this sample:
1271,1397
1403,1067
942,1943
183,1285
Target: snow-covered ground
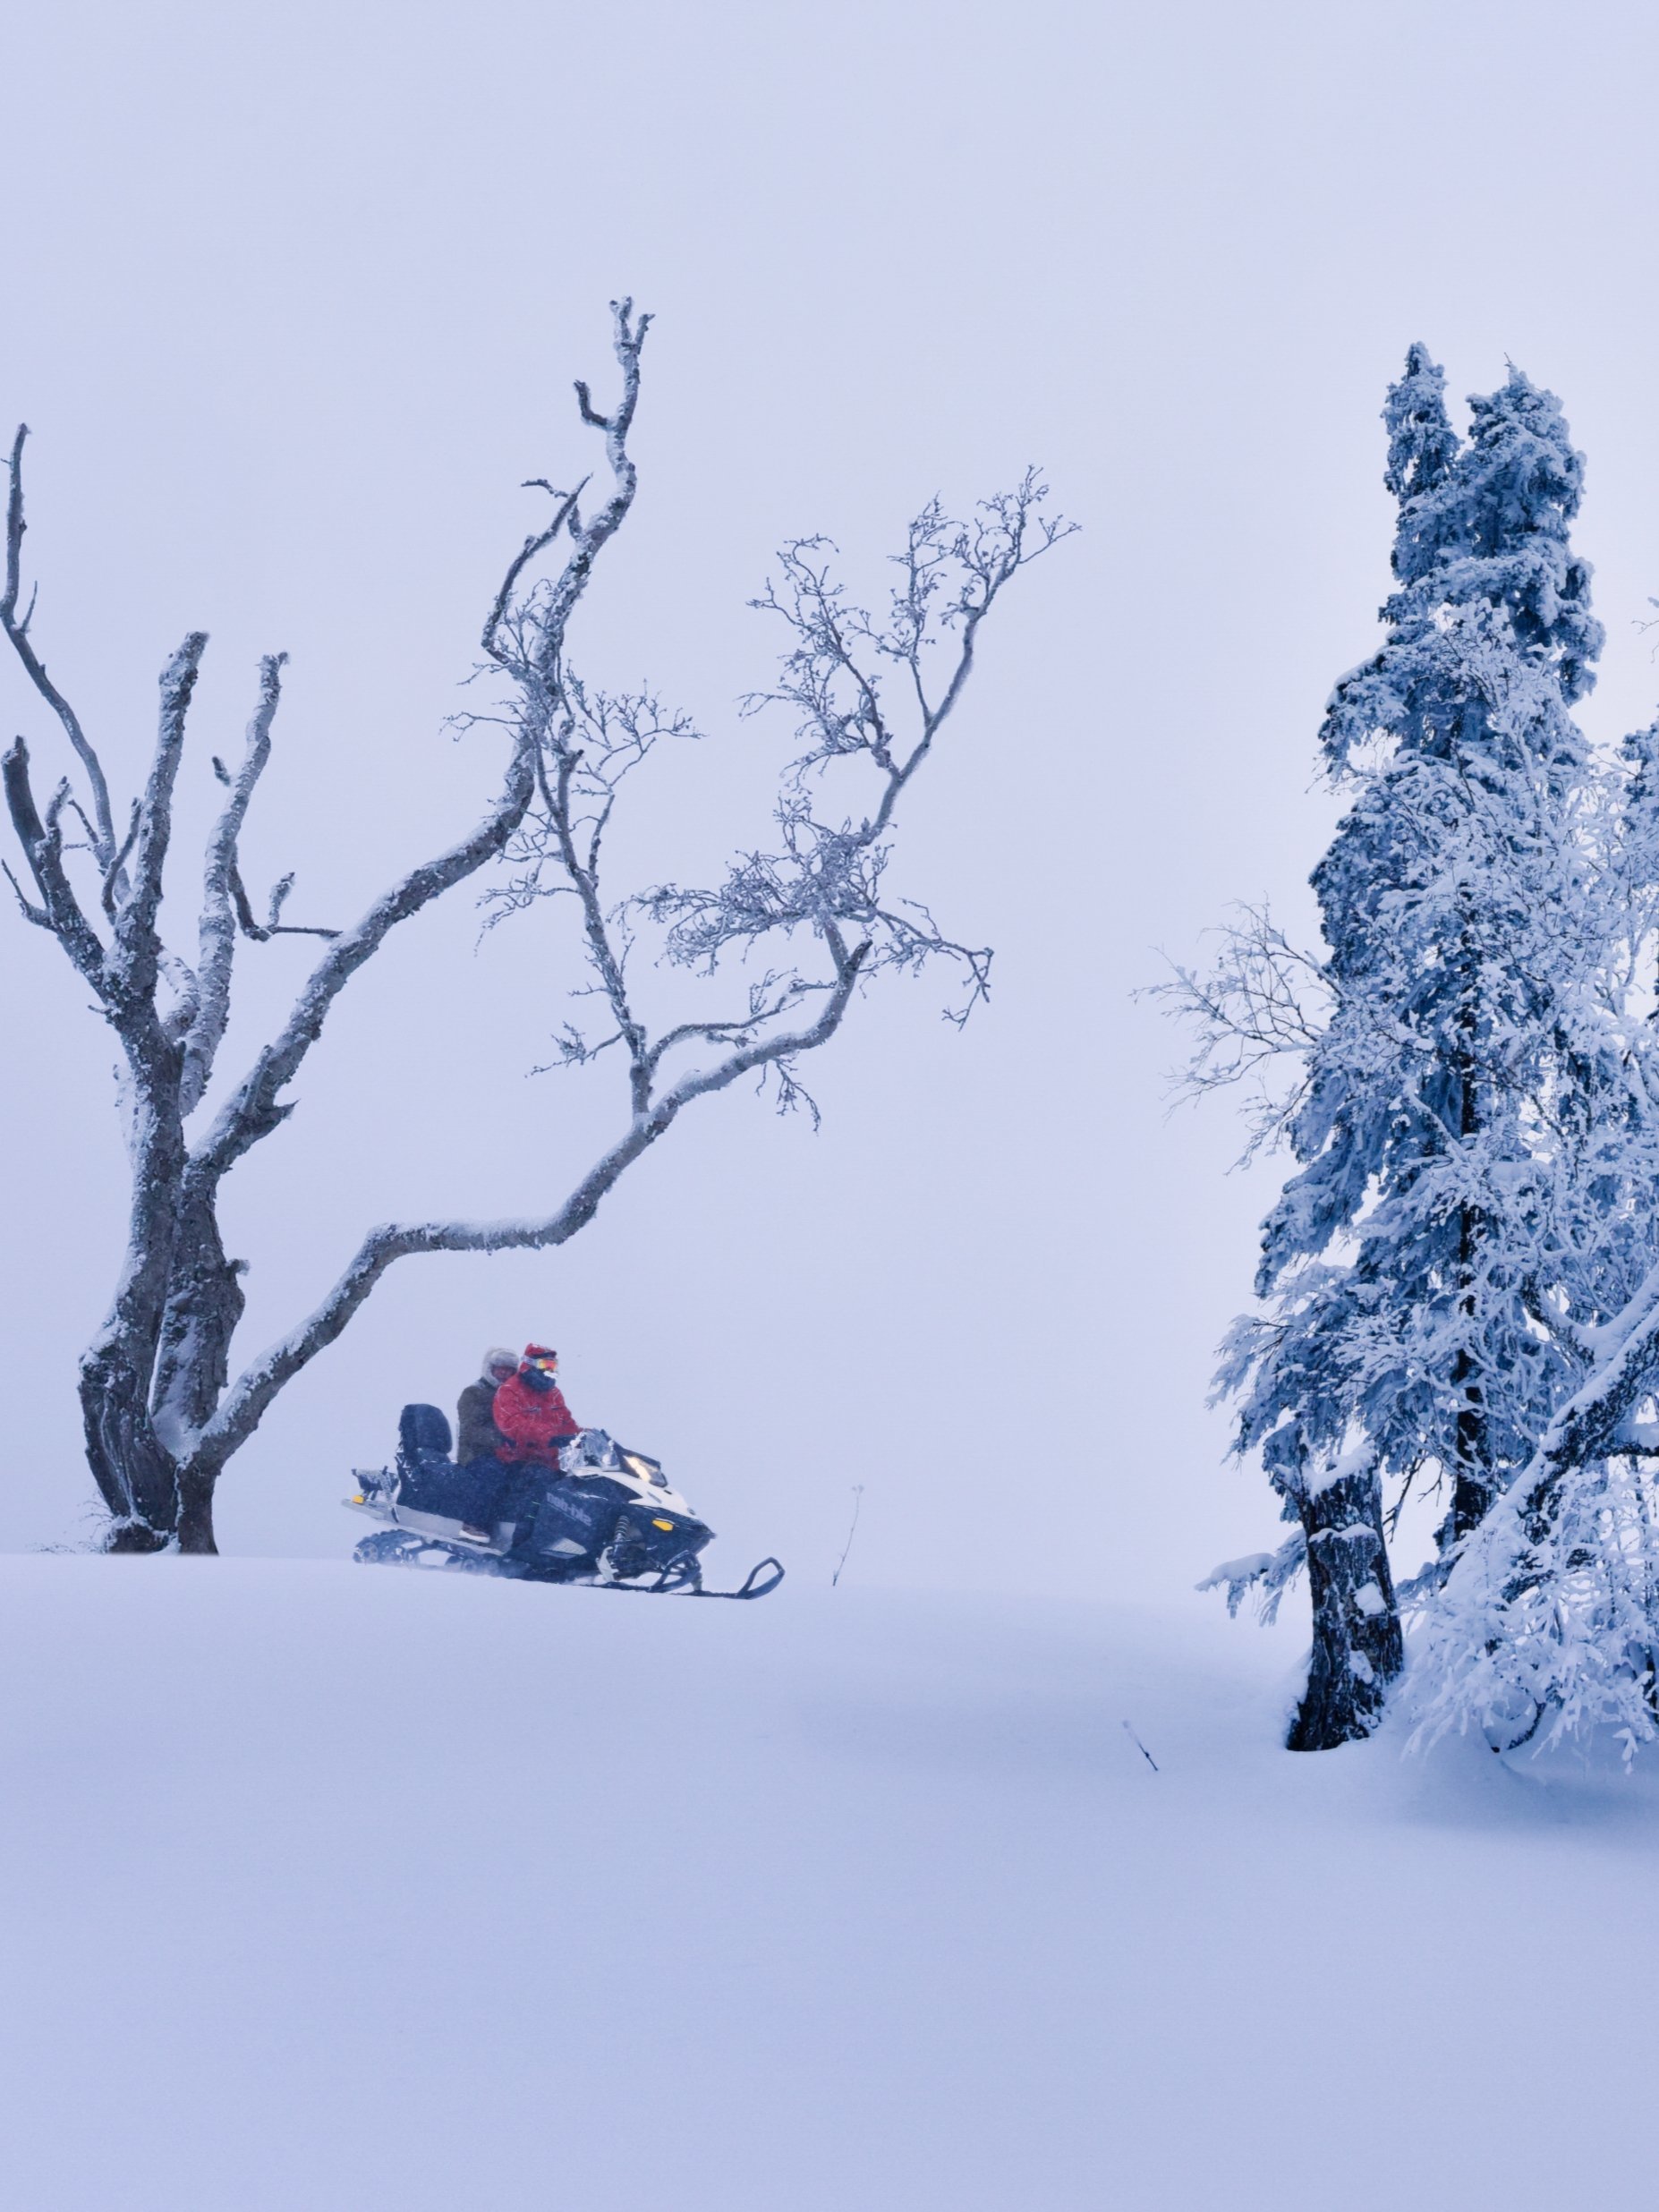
334,1888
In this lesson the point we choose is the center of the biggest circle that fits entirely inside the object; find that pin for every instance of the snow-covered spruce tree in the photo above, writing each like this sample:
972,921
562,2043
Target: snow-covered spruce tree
1420,1271
163,1410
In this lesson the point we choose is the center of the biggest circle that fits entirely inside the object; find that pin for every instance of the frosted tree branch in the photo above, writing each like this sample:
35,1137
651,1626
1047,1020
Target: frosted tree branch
247,1401
34,667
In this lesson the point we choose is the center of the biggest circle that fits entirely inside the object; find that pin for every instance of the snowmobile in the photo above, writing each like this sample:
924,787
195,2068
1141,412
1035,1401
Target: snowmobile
607,1516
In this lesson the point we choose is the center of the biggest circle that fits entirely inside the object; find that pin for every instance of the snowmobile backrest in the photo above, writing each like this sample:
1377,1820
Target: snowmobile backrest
423,1429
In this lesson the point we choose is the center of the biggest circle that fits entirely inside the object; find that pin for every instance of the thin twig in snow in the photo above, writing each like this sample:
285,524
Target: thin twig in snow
858,1499
1140,1747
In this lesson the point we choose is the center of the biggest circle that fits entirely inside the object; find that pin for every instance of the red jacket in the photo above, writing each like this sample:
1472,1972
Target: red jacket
534,1422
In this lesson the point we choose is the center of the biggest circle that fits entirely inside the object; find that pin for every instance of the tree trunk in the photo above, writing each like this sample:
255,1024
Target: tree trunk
1473,1488
196,1515
134,1473
1358,1649
132,1465
205,1302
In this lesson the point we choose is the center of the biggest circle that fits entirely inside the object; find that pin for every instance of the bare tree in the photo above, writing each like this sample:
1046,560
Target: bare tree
162,1414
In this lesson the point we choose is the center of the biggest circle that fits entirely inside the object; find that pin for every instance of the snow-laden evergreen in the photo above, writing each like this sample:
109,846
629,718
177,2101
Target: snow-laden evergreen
1471,1117
1401,1260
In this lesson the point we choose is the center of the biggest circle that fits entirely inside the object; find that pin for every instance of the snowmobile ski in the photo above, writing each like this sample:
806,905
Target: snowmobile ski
688,1587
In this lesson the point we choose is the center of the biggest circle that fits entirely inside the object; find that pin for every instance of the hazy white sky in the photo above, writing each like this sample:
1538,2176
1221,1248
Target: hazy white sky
293,298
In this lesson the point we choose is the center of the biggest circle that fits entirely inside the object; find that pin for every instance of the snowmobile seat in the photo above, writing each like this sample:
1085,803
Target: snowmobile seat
422,1431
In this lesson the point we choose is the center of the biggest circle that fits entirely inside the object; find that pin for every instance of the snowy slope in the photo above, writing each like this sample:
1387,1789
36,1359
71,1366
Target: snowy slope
334,1888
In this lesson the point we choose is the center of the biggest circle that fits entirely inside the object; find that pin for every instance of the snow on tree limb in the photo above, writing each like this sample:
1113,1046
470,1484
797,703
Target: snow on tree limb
104,834
247,1401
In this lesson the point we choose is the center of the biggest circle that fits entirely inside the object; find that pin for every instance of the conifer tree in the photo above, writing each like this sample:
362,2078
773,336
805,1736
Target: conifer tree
1420,1294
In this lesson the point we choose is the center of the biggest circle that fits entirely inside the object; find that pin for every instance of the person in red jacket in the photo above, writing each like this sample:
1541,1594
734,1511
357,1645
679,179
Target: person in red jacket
531,1413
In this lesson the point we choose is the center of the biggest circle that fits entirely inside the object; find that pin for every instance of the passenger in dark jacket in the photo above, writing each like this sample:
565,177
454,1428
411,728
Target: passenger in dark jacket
479,1445
477,1437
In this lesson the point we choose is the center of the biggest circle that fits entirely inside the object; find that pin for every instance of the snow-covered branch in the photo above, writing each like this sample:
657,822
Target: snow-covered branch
1263,1003
17,632
245,1403
822,880
255,1108
1264,1575
135,957
41,839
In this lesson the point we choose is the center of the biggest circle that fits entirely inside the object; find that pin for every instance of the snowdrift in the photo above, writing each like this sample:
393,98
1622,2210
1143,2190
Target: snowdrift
325,1888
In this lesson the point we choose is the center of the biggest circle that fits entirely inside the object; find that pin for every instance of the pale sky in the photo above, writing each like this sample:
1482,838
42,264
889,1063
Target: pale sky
293,296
